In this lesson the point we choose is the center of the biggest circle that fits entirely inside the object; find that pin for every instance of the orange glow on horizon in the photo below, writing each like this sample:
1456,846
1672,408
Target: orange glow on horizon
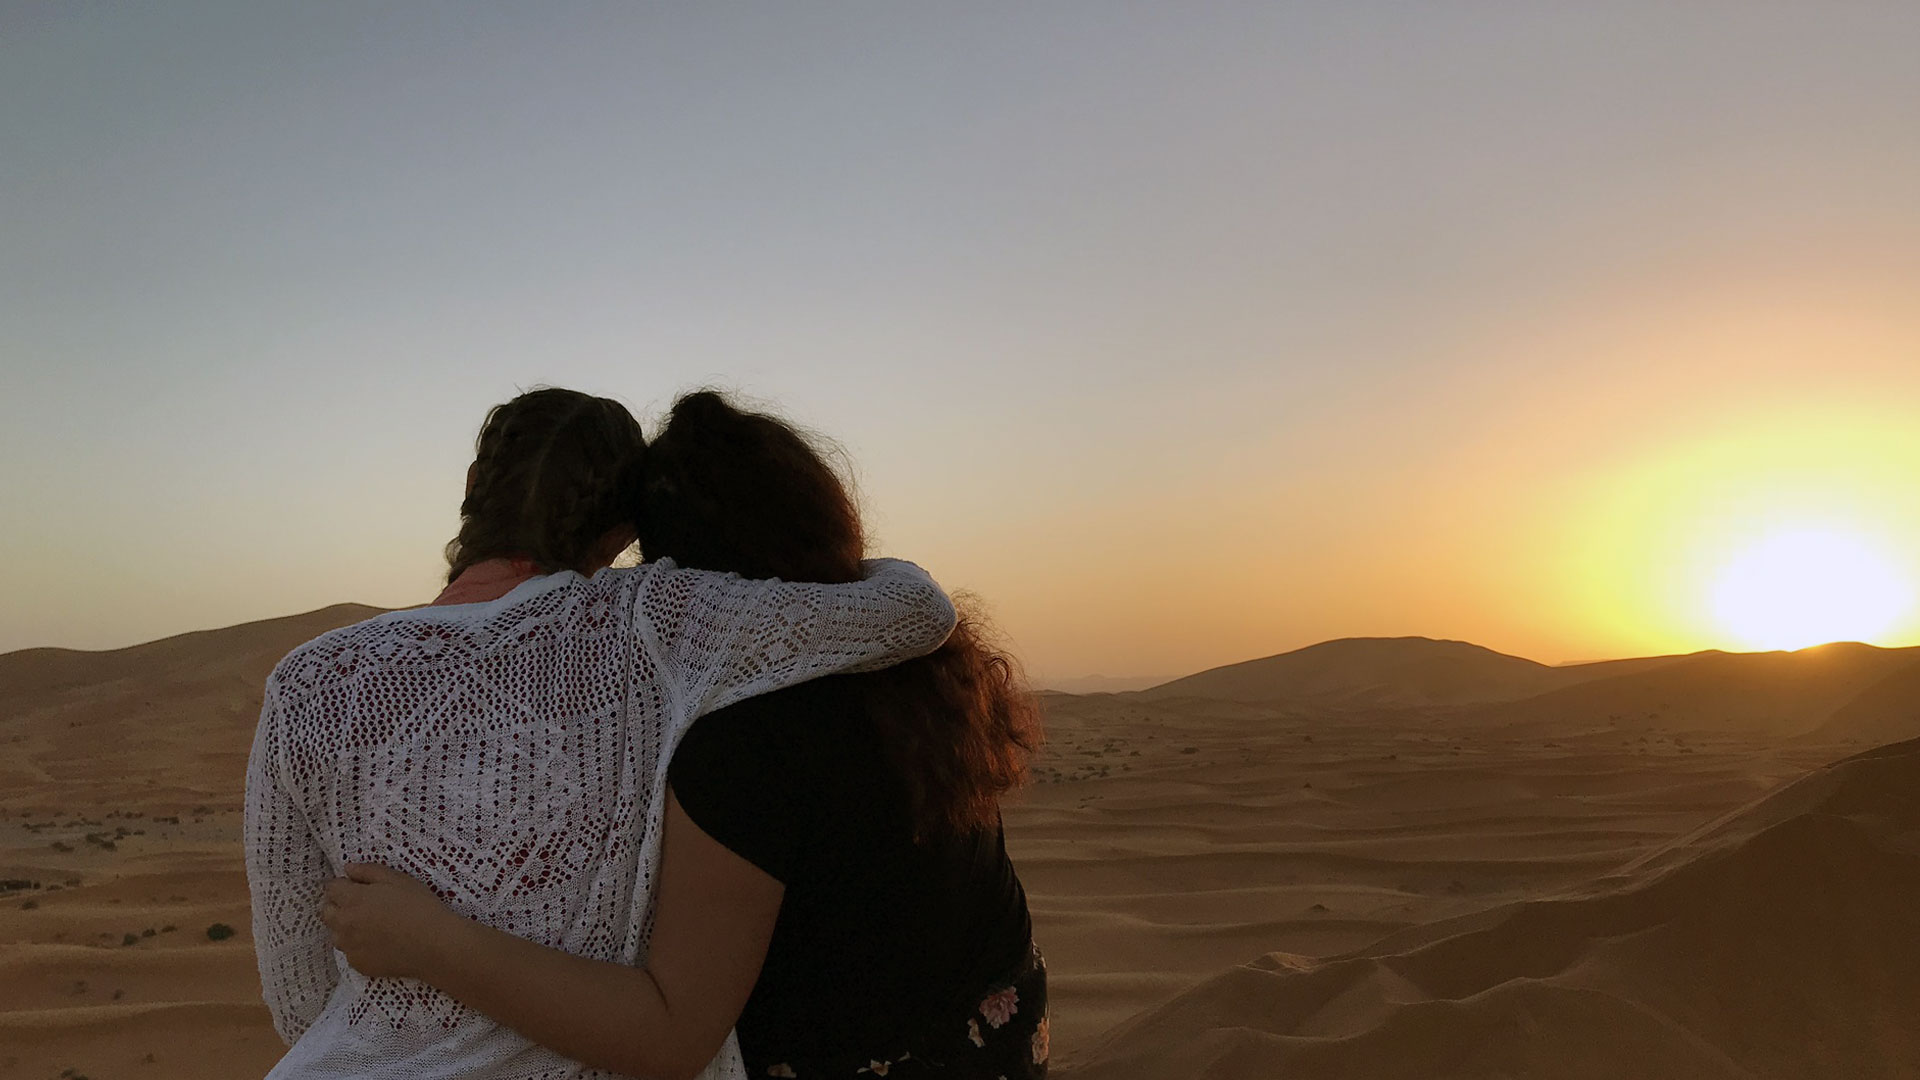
1773,536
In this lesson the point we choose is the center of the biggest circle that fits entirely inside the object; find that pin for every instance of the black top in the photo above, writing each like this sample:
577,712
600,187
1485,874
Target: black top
878,937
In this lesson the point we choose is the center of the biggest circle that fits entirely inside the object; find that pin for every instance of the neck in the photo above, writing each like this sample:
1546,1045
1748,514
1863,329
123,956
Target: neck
489,579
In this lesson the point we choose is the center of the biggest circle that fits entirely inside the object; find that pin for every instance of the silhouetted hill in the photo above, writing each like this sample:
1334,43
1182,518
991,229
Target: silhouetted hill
42,670
1099,684
1363,672
1776,693
170,720
1389,673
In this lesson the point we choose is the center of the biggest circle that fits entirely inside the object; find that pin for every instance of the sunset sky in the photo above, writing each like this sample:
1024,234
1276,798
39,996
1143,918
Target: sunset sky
1180,333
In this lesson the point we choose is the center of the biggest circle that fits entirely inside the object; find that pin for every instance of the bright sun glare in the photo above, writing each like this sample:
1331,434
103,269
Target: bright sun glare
1808,587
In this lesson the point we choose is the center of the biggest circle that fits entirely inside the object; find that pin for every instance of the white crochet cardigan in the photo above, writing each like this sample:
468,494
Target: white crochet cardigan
513,754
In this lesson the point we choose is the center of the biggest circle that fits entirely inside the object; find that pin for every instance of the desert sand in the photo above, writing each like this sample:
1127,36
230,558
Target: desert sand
1371,858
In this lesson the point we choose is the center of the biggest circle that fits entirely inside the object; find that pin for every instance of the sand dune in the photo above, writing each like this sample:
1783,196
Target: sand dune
164,726
1782,941
1098,684
1371,672
1774,694
107,967
1845,692
120,799
1167,843
1448,887
1888,711
1376,673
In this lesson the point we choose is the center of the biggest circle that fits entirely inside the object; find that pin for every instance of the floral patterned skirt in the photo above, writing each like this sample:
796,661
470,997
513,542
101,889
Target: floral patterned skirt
1001,1036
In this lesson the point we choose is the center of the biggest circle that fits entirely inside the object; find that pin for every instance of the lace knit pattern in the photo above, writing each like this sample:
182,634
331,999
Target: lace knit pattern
513,755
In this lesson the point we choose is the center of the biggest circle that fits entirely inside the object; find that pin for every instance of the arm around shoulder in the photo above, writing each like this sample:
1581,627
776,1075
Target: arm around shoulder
724,638
667,1020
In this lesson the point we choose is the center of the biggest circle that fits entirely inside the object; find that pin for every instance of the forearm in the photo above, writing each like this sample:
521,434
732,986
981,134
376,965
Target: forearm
714,917
606,1015
741,638
297,972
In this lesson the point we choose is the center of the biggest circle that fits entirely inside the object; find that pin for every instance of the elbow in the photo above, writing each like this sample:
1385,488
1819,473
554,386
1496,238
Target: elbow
942,617
667,1050
928,615
287,1025
655,1062
684,1071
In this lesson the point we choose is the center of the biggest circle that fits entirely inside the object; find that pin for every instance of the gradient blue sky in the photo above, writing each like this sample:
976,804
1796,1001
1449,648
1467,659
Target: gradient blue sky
1182,333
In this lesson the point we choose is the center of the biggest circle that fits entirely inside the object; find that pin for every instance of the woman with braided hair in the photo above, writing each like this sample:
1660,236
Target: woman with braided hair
553,480
835,881
508,743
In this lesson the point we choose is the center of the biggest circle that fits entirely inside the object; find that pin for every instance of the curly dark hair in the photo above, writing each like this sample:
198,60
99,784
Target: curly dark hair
730,489
553,472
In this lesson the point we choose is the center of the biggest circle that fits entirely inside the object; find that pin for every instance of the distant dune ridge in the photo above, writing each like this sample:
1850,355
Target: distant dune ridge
1780,693
1845,690
169,722
200,693
1099,684
1376,672
1453,864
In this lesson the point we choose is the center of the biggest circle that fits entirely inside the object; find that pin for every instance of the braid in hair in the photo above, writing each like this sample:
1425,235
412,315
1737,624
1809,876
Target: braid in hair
582,486
554,471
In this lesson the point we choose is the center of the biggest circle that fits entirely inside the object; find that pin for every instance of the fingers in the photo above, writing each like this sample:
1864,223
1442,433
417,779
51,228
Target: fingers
374,874
338,923
336,896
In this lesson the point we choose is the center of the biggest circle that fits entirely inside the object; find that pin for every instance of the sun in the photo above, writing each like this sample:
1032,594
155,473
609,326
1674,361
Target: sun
1802,587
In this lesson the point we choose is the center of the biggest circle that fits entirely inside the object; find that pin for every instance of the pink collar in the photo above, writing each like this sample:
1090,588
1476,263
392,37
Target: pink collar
487,580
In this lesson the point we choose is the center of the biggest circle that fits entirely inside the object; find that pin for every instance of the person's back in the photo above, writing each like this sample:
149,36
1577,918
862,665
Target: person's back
482,747
511,754
881,936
